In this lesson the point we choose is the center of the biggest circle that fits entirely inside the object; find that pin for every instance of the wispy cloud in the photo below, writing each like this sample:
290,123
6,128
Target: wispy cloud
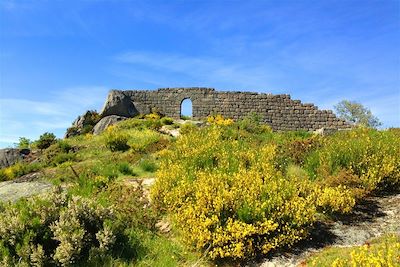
206,71
30,118
310,79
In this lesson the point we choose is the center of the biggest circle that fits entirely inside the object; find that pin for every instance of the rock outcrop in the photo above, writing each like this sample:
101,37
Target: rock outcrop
83,124
105,122
118,103
9,156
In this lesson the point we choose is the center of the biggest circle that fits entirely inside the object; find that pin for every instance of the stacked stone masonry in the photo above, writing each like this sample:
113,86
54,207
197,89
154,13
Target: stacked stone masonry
279,111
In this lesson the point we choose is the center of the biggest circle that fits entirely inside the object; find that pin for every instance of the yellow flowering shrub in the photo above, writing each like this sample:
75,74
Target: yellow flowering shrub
384,251
115,140
229,199
219,120
372,156
152,116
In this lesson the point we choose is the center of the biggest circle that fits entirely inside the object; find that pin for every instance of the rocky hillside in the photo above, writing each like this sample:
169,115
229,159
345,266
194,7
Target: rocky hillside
152,191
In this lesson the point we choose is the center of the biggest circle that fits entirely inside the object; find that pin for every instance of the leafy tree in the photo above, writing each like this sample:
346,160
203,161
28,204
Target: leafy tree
356,113
46,140
24,143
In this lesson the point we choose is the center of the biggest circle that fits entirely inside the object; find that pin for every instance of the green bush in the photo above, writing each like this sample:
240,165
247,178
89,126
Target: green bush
167,121
116,141
46,140
125,168
253,124
24,143
55,230
63,157
58,153
148,165
60,229
18,169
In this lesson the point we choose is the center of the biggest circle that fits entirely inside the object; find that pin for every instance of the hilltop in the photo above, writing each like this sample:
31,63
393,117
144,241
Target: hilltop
224,192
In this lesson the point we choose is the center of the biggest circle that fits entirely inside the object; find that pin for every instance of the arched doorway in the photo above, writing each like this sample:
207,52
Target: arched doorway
186,109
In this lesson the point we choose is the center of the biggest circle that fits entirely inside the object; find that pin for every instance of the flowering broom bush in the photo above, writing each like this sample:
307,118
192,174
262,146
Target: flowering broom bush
230,200
372,156
383,251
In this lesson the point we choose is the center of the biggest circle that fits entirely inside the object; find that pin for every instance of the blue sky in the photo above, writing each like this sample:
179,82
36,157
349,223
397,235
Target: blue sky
60,58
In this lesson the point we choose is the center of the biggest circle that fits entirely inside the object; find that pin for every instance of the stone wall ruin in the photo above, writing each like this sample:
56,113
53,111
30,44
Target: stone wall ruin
279,111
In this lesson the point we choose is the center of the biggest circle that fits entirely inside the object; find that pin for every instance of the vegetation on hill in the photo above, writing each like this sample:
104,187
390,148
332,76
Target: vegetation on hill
230,190
356,113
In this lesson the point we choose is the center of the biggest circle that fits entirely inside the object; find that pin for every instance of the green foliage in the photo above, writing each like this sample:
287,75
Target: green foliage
232,189
229,199
141,141
187,128
115,140
253,124
18,169
46,140
125,168
58,153
72,131
167,121
65,230
185,117
356,113
371,155
148,165
24,143
56,229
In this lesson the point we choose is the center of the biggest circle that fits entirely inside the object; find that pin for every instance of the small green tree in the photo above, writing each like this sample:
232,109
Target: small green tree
46,140
24,143
356,113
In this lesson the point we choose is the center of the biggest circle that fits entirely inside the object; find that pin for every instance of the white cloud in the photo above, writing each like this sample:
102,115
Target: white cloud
30,118
207,71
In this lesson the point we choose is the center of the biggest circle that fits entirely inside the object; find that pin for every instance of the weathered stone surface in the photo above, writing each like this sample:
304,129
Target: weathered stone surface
105,122
279,111
118,103
10,191
9,156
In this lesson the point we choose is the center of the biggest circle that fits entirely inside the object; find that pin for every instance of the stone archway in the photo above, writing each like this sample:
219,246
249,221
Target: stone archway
186,108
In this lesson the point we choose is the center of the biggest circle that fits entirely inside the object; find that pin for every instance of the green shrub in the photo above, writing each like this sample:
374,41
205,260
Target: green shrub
72,131
24,143
18,169
167,121
141,141
125,168
54,230
58,153
46,140
116,141
148,165
63,157
253,124
87,129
